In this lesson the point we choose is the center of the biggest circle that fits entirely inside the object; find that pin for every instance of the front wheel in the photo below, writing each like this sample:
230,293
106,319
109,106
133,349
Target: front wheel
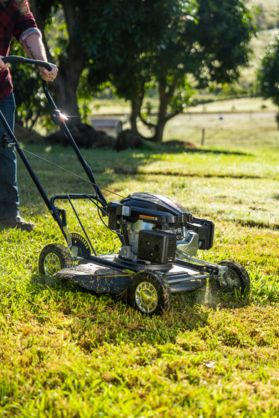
148,293
53,258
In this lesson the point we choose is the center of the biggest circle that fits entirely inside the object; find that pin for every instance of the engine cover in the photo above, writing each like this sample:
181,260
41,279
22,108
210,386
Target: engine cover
147,207
155,203
151,226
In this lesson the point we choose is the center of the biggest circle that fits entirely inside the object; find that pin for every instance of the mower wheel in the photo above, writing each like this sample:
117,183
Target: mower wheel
148,293
80,247
53,258
235,281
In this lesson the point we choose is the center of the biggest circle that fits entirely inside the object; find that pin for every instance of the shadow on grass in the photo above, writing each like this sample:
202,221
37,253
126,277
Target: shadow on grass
176,146
131,171
250,223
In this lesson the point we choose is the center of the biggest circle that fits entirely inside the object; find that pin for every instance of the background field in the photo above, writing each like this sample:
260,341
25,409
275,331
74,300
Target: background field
67,353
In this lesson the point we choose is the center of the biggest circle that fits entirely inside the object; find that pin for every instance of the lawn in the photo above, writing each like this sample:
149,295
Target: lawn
67,353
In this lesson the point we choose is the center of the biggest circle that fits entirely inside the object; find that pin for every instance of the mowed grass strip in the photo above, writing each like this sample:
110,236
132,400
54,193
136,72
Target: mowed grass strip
67,353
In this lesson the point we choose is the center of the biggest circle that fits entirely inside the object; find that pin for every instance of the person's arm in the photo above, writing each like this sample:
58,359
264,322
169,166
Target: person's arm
35,49
27,32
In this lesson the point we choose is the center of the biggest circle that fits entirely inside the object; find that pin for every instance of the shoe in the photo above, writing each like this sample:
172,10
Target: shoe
17,223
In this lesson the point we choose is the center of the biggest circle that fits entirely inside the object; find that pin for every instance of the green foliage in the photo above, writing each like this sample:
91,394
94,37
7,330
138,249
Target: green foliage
167,43
224,32
31,104
268,75
163,43
118,38
56,34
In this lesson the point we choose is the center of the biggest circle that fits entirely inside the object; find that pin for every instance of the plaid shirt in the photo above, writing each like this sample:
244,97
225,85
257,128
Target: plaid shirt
15,19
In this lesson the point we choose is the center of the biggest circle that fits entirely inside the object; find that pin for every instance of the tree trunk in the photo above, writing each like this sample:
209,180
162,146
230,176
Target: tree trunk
66,87
70,67
159,131
70,64
166,92
162,114
136,104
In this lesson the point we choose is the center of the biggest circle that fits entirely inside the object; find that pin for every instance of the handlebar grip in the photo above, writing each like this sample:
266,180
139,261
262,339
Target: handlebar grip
14,59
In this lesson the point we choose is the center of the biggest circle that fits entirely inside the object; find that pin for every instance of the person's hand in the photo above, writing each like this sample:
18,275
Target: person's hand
49,75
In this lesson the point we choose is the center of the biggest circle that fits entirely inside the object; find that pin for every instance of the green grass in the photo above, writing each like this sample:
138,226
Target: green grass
67,353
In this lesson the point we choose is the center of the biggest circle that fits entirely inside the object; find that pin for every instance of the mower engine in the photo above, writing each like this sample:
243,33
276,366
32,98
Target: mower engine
154,230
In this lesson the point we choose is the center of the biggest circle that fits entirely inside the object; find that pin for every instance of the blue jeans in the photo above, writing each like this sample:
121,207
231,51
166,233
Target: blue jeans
9,199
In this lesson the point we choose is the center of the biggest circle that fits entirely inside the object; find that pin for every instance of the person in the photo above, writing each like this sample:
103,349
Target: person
16,20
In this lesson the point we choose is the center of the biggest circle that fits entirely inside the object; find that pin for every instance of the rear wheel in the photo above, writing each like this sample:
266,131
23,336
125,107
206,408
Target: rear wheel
53,258
148,293
232,280
80,247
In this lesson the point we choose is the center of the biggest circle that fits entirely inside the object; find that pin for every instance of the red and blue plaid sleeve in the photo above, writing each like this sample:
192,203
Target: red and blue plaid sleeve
24,18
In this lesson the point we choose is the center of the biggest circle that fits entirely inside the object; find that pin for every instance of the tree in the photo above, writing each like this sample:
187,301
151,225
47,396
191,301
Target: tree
224,32
172,61
121,36
87,23
68,52
74,47
199,43
268,74
167,43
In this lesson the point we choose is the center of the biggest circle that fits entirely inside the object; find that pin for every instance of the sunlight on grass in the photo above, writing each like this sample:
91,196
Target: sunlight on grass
68,353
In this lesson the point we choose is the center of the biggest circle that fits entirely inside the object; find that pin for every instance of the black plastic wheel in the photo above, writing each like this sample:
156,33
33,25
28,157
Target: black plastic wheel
148,293
80,247
234,281
53,258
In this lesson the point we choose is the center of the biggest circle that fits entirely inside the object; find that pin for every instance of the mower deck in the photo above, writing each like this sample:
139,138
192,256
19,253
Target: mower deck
107,279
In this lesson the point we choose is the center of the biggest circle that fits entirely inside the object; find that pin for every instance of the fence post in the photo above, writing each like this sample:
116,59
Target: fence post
203,136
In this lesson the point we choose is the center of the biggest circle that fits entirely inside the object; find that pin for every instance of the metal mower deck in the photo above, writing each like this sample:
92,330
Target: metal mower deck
106,279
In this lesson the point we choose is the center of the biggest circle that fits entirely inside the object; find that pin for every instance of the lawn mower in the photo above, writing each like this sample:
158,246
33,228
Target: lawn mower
159,240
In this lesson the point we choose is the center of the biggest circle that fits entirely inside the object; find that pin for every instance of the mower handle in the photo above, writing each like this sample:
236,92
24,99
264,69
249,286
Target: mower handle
15,59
